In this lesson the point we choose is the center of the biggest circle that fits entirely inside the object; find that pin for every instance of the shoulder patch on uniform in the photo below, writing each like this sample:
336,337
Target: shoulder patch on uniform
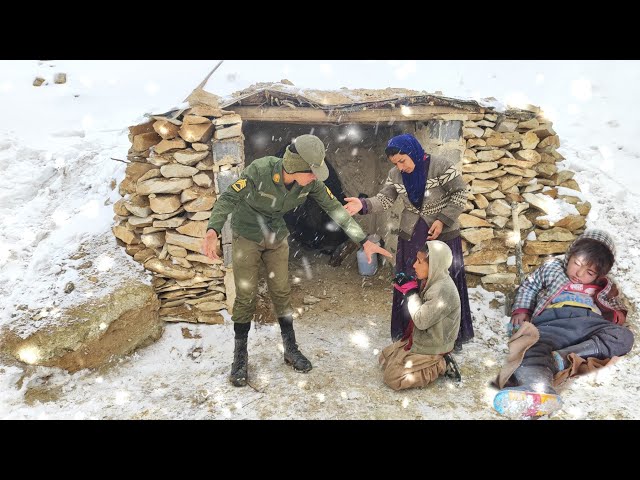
276,178
329,192
239,185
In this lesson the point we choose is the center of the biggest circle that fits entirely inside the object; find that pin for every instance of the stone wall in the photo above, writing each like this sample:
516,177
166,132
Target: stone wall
509,161
180,163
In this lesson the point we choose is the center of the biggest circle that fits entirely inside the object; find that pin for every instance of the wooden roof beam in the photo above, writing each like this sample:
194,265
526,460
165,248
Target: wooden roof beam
337,117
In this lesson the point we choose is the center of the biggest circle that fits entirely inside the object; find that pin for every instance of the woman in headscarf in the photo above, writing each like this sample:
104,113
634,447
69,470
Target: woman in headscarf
434,195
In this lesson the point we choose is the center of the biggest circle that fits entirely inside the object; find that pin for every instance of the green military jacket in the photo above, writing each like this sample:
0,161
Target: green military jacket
259,199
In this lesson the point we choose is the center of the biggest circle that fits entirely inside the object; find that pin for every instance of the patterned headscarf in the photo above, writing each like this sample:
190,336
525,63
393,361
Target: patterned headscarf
416,181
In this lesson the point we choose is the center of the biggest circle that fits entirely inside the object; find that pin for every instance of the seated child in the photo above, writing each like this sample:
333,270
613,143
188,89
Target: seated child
434,305
574,308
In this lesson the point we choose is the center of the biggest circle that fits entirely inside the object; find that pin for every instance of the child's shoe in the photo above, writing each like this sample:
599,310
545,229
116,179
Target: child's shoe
523,401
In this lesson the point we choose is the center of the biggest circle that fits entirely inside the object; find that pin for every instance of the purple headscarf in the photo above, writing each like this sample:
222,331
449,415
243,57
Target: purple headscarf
416,181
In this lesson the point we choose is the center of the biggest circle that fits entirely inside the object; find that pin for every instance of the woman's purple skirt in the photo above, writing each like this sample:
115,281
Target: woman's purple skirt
405,258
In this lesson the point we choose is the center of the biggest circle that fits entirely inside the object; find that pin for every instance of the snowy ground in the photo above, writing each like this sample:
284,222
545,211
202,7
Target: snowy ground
184,375
56,179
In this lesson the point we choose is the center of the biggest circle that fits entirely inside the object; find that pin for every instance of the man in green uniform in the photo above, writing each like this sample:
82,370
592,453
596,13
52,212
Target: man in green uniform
268,188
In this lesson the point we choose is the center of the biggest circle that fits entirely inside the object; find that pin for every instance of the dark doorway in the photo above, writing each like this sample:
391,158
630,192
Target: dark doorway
357,165
311,226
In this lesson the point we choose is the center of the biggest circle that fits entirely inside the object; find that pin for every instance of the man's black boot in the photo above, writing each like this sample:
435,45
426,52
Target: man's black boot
292,355
238,375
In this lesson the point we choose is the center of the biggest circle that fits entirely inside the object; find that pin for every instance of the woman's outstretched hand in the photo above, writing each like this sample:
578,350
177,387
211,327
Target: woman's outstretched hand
353,205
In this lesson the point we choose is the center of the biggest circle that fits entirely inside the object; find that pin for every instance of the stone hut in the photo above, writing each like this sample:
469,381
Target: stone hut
520,207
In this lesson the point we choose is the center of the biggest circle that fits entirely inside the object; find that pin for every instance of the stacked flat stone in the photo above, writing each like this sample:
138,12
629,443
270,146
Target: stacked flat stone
509,160
178,166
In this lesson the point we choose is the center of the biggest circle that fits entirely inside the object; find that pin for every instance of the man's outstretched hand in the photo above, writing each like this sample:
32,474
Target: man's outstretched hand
210,245
371,248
